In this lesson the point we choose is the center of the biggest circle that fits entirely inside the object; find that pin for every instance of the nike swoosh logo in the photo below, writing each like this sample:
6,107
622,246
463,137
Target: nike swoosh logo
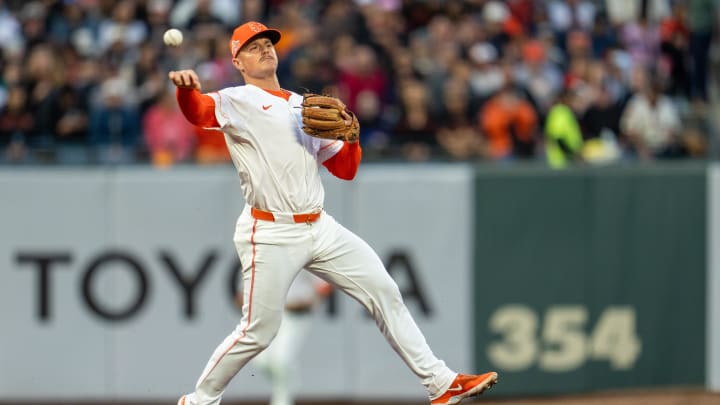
265,107
458,388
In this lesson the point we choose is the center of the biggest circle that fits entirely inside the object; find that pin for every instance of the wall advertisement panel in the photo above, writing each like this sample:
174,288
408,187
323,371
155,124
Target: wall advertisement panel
591,279
97,298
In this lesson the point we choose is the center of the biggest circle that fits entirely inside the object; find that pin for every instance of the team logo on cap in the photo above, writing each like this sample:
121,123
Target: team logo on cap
256,27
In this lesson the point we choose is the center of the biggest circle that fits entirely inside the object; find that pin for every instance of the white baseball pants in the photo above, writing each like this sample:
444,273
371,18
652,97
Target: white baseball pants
272,253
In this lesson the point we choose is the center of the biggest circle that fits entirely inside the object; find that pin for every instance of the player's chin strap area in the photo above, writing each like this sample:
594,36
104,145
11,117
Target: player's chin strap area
285,218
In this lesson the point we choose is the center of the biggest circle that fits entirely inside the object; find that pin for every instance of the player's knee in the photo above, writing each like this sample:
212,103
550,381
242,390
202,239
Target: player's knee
389,290
265,339
385,297
262,335
268,338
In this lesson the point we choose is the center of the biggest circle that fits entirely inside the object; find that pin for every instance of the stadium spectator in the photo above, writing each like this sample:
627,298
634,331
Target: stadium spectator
147,77
641,39
362,77
602,36
65,20
651,122
525,12
486,76
624,11
198,14
414,132
32,21
16,123
568,15
157,18
600,127
71,128
122,27
565,16
563,139
540,77
168,136
602,115
43,76
509,123
114,124
11,37
495,15
674,48
703,18
458,133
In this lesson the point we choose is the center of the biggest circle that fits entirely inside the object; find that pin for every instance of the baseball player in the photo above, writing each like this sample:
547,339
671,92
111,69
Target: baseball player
278,360
283,227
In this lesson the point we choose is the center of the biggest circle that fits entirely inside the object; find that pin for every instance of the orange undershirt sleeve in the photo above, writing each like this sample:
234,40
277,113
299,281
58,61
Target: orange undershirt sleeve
345,163
198,108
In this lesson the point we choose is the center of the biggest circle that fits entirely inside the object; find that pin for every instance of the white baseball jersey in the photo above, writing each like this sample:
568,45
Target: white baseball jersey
277,162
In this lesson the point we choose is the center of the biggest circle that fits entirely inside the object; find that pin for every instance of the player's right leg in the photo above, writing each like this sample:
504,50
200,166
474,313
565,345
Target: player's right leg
253,334
268,271
278,361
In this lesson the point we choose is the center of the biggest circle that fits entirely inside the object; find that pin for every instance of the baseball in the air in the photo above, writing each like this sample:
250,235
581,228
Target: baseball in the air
173,37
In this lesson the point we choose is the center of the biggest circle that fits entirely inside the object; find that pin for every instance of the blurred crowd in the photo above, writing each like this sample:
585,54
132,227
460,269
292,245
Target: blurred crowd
558,81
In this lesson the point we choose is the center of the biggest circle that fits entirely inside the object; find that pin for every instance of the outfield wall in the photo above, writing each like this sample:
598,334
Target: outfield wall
527,271
600,278
92,306
713,290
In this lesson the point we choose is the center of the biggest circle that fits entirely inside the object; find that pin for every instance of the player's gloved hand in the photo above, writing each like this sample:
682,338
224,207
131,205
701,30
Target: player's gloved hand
185,79
328,118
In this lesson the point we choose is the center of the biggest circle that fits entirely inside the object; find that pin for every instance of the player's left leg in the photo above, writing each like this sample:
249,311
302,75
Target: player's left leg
349,263
268,271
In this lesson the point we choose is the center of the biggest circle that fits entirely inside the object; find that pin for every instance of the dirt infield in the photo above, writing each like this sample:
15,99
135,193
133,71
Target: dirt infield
625,398
674,397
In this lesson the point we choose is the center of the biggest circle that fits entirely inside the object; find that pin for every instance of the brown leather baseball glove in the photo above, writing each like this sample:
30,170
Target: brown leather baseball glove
322,118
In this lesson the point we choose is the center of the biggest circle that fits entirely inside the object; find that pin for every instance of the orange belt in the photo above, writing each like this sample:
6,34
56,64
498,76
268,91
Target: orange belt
298,218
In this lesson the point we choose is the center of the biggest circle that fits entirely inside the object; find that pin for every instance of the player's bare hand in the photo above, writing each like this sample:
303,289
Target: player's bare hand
185,79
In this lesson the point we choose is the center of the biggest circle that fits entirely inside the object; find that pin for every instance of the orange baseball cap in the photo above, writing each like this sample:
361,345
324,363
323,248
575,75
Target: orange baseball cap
250,30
